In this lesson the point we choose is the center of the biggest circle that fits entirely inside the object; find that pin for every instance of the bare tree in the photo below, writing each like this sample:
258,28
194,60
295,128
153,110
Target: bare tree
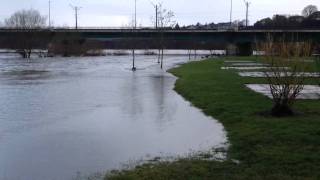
286,74
239,23
27,21
307,11
165,20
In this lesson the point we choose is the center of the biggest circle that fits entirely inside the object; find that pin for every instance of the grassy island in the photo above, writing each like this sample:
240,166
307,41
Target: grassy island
262,147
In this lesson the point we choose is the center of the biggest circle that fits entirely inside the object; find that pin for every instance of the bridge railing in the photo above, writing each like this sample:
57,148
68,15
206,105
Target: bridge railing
150,29
83,27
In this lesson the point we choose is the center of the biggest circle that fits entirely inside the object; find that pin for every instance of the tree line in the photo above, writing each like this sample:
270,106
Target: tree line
309,19
29,37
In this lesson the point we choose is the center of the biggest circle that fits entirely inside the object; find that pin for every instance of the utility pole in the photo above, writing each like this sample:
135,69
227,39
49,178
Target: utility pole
156,7
49,13
231,9
157,16
76,9
135,14
247,12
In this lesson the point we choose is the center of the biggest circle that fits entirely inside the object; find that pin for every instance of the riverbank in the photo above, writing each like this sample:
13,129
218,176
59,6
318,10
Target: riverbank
262,147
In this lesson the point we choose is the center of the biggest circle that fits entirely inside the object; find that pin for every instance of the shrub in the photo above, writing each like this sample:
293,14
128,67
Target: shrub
286,74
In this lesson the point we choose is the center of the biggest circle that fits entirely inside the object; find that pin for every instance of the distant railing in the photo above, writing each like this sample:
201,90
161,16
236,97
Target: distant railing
240,28
99,27
170,29
83,27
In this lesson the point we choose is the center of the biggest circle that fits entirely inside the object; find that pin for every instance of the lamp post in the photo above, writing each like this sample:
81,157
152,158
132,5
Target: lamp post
135,27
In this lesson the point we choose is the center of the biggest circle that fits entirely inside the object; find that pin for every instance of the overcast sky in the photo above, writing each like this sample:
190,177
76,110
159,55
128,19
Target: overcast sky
119,12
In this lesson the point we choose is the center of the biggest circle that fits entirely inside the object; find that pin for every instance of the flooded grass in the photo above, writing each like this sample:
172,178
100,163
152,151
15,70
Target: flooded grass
60,116
261,147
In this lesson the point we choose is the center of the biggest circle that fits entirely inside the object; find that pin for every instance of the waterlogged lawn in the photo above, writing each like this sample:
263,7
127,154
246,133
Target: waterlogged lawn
262,147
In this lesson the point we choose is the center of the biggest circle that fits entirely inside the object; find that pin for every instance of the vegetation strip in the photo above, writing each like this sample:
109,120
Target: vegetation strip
262,147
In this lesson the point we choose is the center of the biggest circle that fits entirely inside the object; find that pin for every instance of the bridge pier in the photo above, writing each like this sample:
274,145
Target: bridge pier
244,49
239,49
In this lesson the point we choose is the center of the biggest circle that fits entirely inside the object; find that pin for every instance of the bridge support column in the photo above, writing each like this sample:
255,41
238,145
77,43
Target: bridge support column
244,49
239,49
231,50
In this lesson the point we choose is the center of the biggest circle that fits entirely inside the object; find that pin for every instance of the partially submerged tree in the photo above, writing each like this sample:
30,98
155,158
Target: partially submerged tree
286,74
310,9
165,20
67,45
27,22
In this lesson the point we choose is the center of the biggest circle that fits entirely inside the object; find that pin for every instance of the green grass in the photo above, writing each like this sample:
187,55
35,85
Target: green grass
267,147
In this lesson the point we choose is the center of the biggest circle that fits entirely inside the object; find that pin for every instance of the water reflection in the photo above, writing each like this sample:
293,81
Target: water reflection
130,93
166,109
67,115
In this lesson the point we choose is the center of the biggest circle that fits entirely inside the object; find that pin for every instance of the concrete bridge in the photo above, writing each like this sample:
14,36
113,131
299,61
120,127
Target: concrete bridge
167,38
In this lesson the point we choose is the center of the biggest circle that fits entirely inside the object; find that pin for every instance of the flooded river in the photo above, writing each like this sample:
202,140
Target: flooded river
61,116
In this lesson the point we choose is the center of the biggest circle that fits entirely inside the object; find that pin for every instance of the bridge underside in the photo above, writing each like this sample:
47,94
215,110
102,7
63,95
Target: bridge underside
152,39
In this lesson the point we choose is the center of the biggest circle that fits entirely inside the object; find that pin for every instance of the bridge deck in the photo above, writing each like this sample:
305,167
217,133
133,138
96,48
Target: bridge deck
157,30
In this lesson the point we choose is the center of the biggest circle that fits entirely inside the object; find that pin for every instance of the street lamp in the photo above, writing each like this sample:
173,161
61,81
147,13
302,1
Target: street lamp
135,27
